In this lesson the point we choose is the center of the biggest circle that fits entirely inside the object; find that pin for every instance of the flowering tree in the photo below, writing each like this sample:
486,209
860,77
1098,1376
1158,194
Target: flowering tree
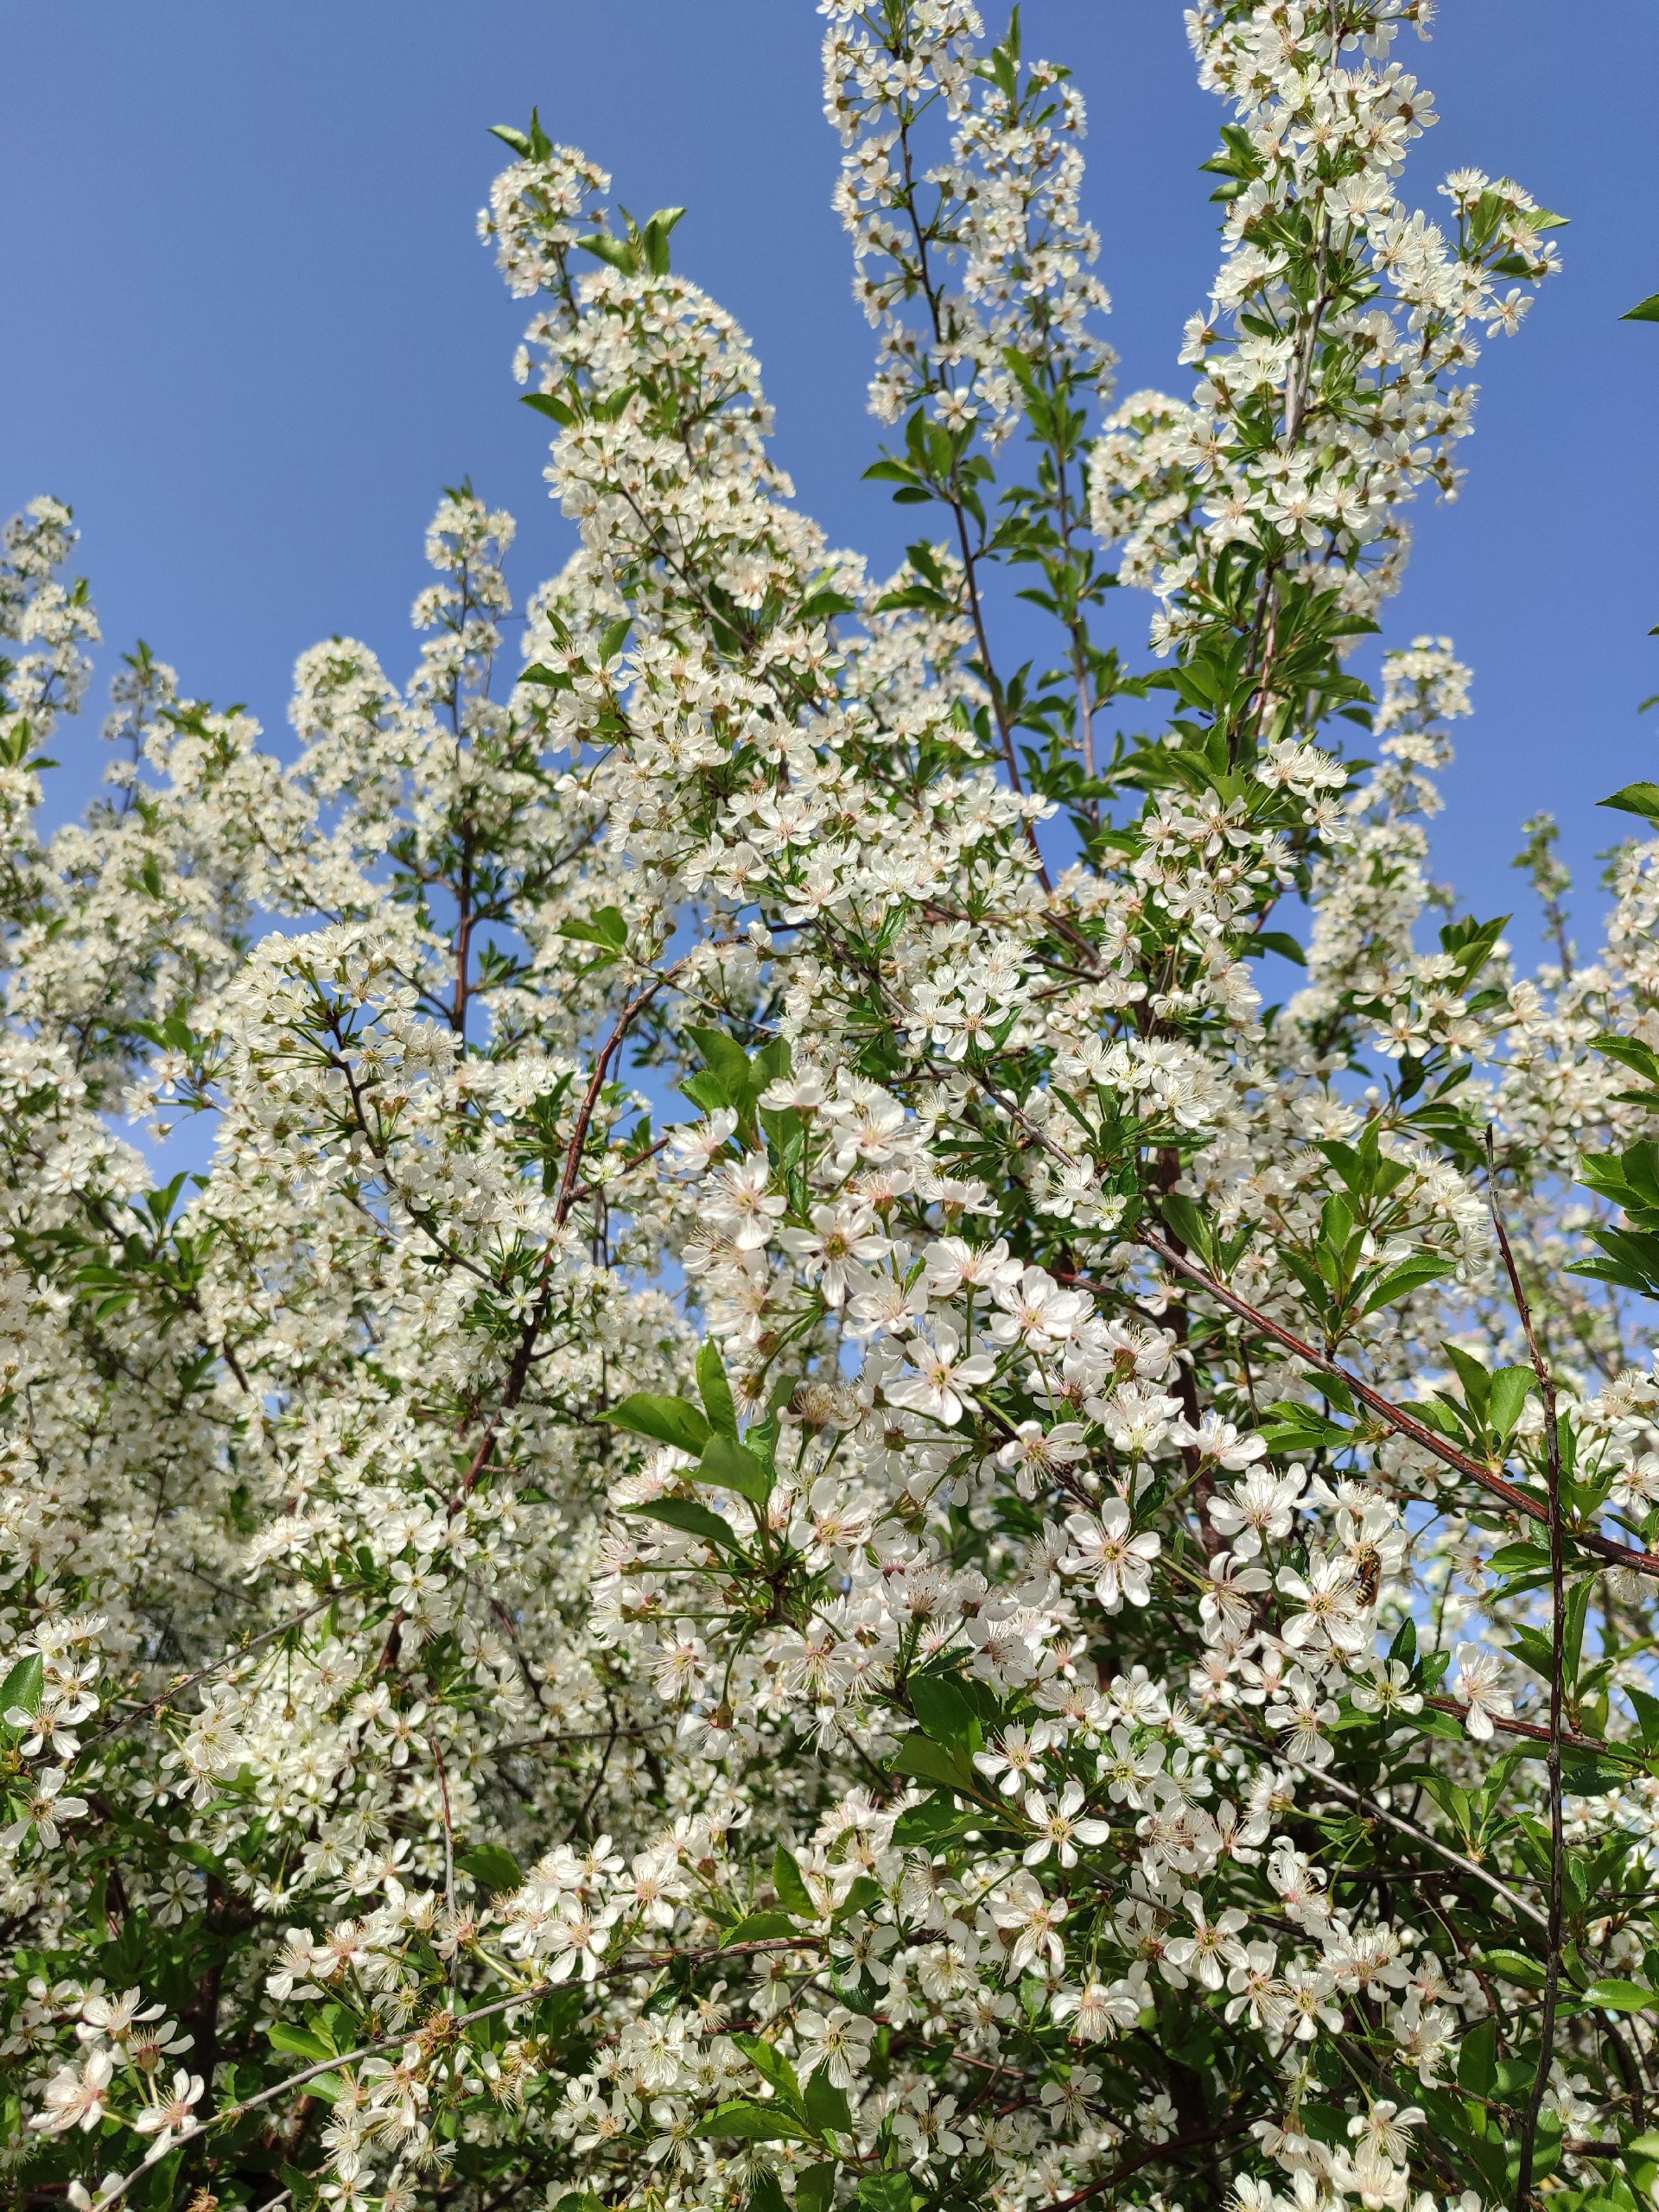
803,1516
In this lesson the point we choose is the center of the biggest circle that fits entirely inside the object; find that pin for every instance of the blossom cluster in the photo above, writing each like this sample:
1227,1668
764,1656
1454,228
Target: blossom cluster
795,1511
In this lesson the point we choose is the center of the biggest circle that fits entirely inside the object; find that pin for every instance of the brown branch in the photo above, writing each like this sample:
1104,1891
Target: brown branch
1403,1423
1147,2158
569,1190
1574,1741
608,1052
1557,1702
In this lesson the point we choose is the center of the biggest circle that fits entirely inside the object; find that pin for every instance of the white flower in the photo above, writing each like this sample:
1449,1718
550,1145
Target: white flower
1213,1948
575,1938
1304,1714
76,2099
1058,1828
1333,1613
170,2116
838,1250
838,2041
1219,1442
1258,1510
45,1808
1035,1920
1101,2008
943,1385
1480,1678
1102,1547
1016,1756
1388,1689
1036,1455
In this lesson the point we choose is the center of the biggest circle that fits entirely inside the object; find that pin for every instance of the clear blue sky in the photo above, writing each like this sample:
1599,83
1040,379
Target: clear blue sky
250,331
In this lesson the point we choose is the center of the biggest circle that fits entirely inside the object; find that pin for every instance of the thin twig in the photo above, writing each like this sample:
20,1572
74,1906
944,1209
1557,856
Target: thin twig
1557,1701
1373,1811
630,1962
448,1827
187,1682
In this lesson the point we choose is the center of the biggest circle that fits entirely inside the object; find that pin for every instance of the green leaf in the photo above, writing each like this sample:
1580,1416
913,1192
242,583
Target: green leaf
557,2013
1636,798
727,1061
667,1421
1534,1650
826,2105
716,1391
864,1892
944,1712
1644,310
606,928
935,1821
1478,2058
492,1865
1472,943
752,2123
1295,1428
1522,1558
1279,941
157,2189
653,239
885,2192
772,2066
545,404
771,1063
815,2189
1513,1966
24,1685
299,2040
792,1892
1508,1394
1646,1708
1630,1052
706,1090
690,1519
1587,1774
931,1762
1428,1722
823,607
1186,1221
1621,1997
759,1927
617,253
734,1466
1409,1275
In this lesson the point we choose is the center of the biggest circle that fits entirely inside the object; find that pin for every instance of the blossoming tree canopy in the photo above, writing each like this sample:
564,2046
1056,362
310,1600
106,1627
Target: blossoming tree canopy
803,1516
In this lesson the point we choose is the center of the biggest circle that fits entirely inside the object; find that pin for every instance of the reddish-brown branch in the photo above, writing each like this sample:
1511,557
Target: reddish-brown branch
1403,1423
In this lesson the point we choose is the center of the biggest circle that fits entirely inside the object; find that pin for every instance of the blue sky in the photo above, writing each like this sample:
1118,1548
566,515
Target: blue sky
250,333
